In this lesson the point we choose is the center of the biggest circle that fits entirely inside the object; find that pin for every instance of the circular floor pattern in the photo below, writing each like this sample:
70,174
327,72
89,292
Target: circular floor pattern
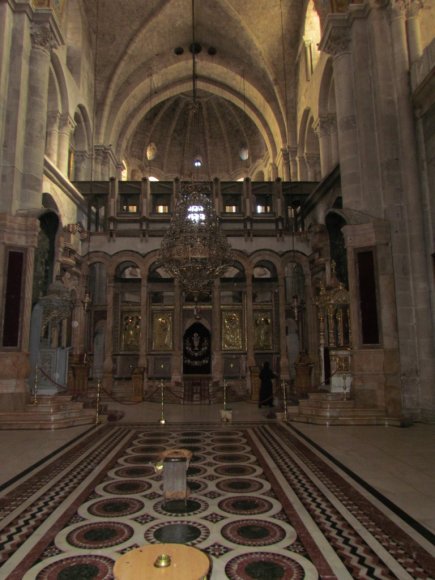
229,448
142,459
126,486
147,449
115,507
192,434
180,507
195,470
245,505
182,532
86,567
99,535
253,532
228,440
239,485
196,458
233,458
143,471
196,486
235,470
190,441
263,566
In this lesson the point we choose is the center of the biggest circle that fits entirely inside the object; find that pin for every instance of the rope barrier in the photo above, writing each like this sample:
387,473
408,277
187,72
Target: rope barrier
129,402
58,385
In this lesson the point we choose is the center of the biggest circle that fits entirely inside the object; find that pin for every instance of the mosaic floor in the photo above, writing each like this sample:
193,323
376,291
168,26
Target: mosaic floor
264,504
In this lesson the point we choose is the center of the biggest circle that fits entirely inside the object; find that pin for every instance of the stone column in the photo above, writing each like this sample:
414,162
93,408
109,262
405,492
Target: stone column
43,40
286,173
108,338
143,346
141,376
66,128
322,129
217,368
284,364
336,41
313,163
293,163
52,144
249,324
417,340
413,29
14,61
81,169
177,357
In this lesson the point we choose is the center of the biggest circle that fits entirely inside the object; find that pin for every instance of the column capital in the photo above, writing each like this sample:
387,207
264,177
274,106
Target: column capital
66,123
336,39
45,33
325,125
53,118
407,8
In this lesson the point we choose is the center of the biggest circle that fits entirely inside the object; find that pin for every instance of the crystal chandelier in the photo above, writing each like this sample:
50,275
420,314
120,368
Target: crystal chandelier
194,250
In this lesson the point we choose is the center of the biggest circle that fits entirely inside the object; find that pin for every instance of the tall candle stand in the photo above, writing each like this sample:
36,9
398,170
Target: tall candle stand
284,397
162,419
97,416
35,387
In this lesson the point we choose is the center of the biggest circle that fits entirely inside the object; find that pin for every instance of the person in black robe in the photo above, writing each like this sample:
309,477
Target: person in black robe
266,387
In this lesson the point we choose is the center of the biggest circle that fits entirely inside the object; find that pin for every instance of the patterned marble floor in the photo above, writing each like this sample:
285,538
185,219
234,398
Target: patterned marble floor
264,504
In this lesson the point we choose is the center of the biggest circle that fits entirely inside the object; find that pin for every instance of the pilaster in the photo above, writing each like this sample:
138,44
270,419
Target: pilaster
337,41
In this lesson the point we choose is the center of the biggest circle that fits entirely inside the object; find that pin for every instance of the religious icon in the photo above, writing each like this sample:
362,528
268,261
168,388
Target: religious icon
130,331
262,331
232,330
162,330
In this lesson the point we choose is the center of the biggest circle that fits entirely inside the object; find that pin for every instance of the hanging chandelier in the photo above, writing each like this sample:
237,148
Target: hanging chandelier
194,250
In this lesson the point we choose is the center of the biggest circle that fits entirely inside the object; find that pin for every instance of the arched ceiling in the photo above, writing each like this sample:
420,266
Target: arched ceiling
144,83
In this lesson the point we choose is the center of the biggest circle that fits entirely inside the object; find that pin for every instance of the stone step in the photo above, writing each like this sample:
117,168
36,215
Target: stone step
343,421
50,412
340,412
325,396
326,404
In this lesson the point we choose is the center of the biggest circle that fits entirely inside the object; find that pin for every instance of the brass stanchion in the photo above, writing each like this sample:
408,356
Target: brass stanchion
162,420
35,387
97,416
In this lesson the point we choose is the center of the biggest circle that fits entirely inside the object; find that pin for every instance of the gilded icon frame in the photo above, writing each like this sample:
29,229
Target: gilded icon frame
232,330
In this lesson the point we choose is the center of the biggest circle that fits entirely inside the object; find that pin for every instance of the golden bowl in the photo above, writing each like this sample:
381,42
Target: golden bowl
162,561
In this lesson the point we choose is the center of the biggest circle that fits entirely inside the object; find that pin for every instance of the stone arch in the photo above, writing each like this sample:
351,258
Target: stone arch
81,145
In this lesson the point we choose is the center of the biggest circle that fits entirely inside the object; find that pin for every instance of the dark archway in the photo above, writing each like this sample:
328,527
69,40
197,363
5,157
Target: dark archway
197,350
